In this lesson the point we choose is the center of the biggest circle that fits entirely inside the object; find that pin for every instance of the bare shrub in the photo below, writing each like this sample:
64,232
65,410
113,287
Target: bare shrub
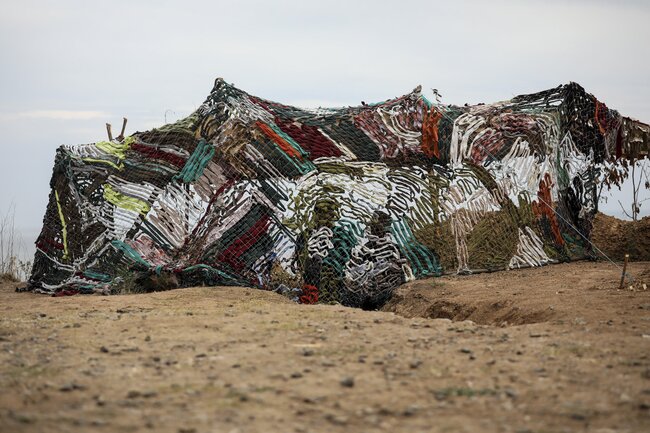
12,268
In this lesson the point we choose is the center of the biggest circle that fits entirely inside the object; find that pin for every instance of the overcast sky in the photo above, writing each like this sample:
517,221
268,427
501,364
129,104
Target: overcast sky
68,67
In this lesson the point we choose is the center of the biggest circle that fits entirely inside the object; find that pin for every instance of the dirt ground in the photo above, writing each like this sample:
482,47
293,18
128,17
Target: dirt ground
553,349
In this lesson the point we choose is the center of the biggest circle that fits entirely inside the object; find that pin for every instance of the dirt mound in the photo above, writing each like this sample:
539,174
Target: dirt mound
616,237
499,312
518,297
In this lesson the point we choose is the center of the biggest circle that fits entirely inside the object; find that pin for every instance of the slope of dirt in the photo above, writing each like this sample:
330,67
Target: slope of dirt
616,237
550,293
242,360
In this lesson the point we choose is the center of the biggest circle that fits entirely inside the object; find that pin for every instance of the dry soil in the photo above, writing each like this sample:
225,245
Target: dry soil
554,349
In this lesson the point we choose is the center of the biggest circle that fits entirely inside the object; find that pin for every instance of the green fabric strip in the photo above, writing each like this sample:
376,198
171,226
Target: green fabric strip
196,163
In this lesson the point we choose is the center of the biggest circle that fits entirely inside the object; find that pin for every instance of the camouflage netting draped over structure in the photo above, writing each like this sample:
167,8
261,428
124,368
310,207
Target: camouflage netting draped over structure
332,205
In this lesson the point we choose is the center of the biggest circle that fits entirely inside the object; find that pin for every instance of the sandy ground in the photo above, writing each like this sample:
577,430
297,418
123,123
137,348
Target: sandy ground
556,349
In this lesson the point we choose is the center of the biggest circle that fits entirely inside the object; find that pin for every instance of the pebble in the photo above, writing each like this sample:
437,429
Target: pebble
72,386
347,382
148,394
411,410
337,419
578,416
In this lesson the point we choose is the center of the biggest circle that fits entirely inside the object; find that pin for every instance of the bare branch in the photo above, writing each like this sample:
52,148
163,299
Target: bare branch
623,209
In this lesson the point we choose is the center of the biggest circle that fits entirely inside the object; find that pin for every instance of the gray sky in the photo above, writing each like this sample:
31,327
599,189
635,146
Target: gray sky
68,67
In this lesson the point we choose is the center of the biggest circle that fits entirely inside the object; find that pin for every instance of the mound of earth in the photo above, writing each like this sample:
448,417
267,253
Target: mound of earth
229,359
517,297
616,237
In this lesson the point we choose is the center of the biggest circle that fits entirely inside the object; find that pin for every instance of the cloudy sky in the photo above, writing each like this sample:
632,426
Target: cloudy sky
68,67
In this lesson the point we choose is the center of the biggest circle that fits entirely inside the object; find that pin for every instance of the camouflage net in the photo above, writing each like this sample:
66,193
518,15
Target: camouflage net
330,205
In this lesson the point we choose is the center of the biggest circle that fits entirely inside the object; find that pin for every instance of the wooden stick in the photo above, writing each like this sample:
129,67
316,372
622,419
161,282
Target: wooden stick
121,136
108,130
627,256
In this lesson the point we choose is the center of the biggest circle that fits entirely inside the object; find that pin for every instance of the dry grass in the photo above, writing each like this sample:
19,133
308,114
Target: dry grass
12,269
